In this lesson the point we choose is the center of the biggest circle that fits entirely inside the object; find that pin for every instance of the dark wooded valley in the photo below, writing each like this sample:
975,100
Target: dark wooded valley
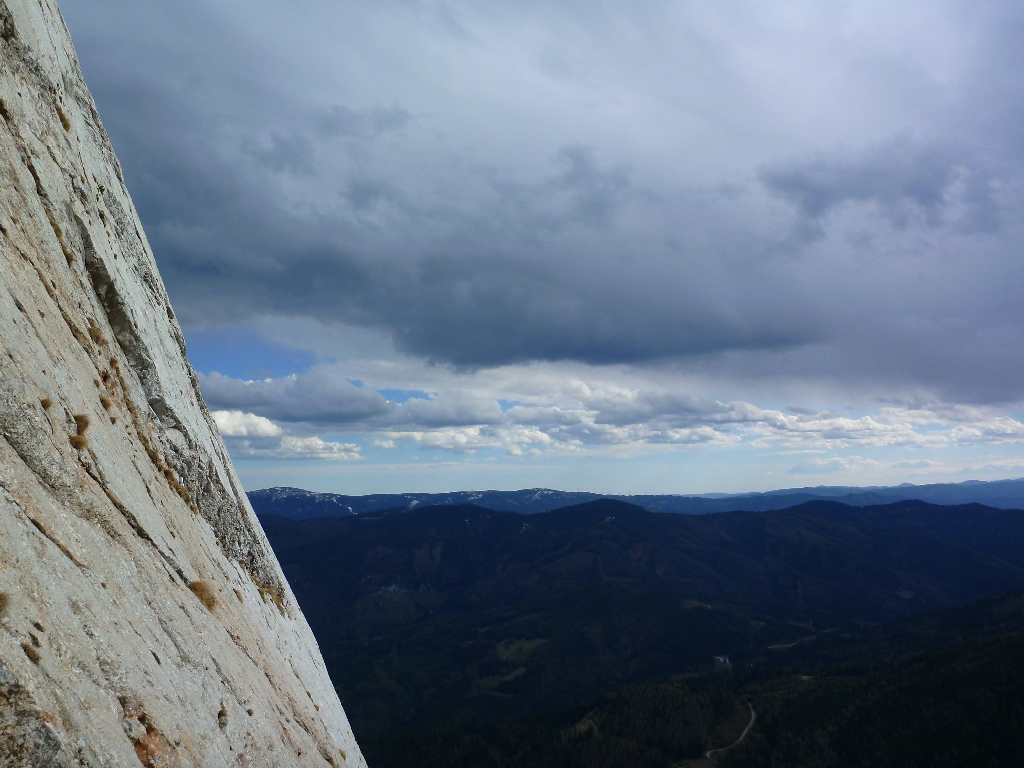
606,635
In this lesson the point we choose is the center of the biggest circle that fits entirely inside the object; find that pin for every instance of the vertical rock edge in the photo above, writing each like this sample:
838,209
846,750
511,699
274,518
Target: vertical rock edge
138,589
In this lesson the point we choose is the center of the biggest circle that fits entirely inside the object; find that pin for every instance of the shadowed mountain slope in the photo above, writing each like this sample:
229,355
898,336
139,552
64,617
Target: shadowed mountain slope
472,615
942,689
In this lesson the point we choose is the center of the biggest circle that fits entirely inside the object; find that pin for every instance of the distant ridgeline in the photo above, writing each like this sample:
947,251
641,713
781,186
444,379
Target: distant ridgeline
298,504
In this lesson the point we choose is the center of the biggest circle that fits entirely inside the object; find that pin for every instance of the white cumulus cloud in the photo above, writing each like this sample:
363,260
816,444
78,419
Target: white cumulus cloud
242,424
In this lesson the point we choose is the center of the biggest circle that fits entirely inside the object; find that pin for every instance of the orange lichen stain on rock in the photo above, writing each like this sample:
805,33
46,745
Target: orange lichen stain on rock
206,593
153,748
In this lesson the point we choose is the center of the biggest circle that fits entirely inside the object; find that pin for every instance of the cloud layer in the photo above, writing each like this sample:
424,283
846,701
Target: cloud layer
832,189
578,417
685,208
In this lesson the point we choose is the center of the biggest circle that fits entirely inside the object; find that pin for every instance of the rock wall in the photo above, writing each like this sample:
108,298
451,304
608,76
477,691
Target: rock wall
144,616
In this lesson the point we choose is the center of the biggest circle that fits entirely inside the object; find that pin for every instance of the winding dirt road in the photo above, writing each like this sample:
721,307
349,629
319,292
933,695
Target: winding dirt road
753,716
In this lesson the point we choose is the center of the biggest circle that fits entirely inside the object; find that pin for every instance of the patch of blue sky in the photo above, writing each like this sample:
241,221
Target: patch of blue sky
393,463
242,353
411,466
402,395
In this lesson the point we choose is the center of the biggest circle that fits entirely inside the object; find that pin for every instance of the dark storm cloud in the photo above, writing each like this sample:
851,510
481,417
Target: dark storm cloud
364,196
592,193
286,153
342,121
902,178
314,397
541,274
491,185
491,310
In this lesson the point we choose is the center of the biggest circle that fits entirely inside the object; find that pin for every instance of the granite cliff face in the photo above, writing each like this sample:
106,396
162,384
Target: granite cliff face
144,616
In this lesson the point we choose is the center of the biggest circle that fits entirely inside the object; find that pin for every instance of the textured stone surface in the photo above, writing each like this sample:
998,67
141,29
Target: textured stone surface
116,492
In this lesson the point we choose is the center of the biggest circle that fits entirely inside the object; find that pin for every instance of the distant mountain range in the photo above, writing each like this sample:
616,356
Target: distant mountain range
298,504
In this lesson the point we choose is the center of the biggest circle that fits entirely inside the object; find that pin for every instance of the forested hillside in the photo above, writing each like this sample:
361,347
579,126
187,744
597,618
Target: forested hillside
460,623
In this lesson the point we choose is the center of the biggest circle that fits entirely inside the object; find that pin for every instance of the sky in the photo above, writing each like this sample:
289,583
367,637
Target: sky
622,247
